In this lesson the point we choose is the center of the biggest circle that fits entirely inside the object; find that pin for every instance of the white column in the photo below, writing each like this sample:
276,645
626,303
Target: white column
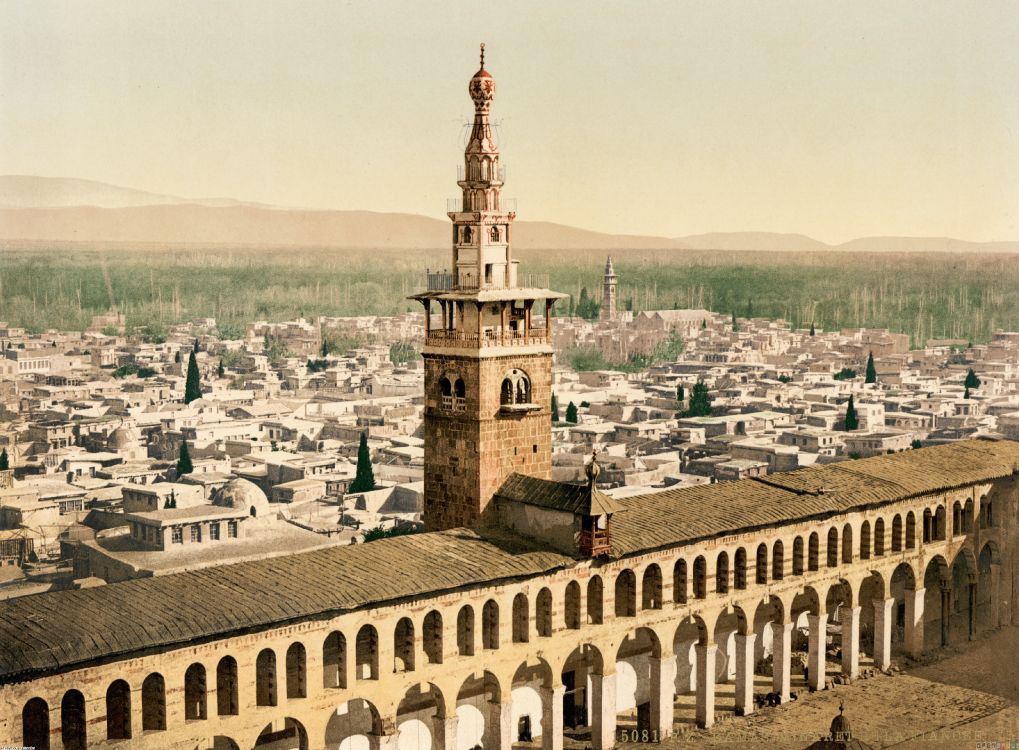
745,673
663,695
914,622
389,741
705,685
816,648
552,717
603,711
500,727
447,728
850,641
781,658
883,609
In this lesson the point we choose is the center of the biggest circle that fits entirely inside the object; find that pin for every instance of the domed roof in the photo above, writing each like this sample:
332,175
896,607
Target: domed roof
123,438
482,86
240,494
840,726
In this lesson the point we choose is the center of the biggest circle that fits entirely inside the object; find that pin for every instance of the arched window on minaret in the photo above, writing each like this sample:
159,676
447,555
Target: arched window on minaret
467,235
445,387
507,392
494,234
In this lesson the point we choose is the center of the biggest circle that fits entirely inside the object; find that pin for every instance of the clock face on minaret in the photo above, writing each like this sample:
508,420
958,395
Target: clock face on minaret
488,345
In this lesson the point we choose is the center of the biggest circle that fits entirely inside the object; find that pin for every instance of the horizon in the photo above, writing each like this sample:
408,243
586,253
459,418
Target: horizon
835,122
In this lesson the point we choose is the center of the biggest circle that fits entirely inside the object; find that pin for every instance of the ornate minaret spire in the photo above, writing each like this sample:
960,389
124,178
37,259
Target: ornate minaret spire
608,298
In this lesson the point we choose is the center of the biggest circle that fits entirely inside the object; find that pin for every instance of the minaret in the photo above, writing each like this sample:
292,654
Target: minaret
488,356
608,297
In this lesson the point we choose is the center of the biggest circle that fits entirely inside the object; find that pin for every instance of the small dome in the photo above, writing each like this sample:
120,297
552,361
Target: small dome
840,726
241,494
593,469
482,86
123,438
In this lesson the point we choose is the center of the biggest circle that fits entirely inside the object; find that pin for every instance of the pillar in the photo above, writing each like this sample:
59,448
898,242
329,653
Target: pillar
745,673
389,741
603,712
850,641
883,609
971,590
705,685
445,729
781,658
663,695
816,647
914,622
499,728
995,613
552,717
946,612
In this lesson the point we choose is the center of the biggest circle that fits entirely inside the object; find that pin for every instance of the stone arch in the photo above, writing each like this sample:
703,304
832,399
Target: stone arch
847,544
679,582
730,622
571,606
527,697
195,692
988,575
651,587
419,718
870,597
937,586
226,687
832,547
219,742
987,519
297,671
584,662
626,594
956,518
265,678
366,653
516,387
813,552
897,533
940,525
778,561
700,577
865,540
431,635
636,660
465,631
521,618
768,622
118,711
543,613
459,388
722,573
354,725
928,526
879,537
476,700
762,563
154,702
35,723
490,625
910,530
73,724
445,387
840,595
740,569
962,596
967,517
595,601
288,730
334,660
798,556
403,645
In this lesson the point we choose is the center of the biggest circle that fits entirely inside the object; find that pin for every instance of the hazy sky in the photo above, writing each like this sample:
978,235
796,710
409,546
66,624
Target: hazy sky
834,119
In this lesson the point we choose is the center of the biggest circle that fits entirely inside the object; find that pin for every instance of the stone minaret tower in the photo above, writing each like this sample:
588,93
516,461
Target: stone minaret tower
488,350
608,297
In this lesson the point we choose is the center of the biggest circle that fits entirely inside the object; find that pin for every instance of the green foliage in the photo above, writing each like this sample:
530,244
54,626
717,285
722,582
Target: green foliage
402,352
231,357
276,350
735,325
176,357
220,370
555,408
855,455
335,344
318,365
364,479
966,393
585,404
700,401
845,373
871,375
785,379
132,368
571,413
680,392
184,465
111,331
587,308
812,332
193,385
374,534
229,331
972,381
916,444
852,421
5,462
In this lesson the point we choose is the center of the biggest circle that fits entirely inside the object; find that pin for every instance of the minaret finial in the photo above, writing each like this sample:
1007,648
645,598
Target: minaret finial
482,54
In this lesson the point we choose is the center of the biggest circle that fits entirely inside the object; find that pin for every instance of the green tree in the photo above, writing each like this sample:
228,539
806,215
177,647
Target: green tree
555,408
700,401
735,325
750,308
852,421
871,376
364,479
176,357
193,385
184,465
972,381
5,462
587,308
220,370
704,325
966,393
915,444
571,413
845,373
812,332
196,347
680,392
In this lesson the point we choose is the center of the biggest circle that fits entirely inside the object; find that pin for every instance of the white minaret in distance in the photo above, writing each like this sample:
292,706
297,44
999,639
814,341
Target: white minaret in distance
608,297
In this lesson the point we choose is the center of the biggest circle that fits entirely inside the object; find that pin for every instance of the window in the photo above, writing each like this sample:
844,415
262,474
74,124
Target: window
231,529
214,532
196,533
177,535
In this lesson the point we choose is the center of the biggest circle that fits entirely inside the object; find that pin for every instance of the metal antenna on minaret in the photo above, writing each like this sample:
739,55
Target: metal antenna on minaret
482,54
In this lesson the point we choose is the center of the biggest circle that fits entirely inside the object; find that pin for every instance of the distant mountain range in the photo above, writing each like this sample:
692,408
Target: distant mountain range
58,209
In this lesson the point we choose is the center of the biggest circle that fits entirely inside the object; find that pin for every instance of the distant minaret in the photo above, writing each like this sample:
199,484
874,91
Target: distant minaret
608,297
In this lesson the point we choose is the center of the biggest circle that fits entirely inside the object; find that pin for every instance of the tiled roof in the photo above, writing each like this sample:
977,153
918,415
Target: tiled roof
578,499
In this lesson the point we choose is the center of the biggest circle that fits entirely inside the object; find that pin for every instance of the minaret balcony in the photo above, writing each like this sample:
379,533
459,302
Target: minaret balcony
463,340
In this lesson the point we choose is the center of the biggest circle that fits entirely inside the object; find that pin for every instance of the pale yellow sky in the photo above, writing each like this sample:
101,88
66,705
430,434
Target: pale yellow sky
834,119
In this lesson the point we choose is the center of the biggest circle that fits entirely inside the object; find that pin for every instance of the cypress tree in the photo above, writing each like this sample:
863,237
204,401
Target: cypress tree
176,357
555,408
220,370
852,421
966,394
184,465
5,462
680,392
364,480
704,324
700,401
735,325
571,413
972,381
871,376
812,332
192,386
